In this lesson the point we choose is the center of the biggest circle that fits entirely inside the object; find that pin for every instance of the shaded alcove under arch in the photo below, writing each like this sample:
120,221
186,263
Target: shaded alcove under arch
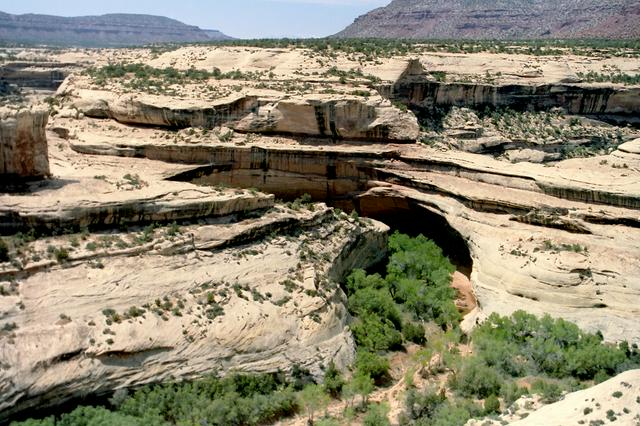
412,218
342,184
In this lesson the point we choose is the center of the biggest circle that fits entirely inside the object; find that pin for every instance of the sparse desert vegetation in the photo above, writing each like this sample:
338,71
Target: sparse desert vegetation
177,248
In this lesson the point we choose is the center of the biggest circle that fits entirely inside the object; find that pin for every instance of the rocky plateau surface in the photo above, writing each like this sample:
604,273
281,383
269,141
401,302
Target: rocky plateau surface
126,297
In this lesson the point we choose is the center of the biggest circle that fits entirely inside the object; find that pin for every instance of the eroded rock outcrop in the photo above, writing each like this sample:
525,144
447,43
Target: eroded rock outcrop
350,117
574,98
241,284
532,232
23,144
204,308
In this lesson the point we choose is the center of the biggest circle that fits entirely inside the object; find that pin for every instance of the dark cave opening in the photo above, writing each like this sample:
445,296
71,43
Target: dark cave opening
413,219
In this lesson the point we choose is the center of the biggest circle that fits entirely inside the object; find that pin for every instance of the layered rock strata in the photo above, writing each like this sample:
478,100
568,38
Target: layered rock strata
348,117
186,310
98,31
237,284
574,98
509,20
533,232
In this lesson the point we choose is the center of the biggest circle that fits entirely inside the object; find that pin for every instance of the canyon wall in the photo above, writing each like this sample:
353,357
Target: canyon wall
574,98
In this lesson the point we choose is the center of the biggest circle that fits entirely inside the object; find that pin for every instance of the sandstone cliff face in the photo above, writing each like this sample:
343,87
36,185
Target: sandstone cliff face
23,144
575,98
504,19
336,118
309,115
60,349
234,287
47,75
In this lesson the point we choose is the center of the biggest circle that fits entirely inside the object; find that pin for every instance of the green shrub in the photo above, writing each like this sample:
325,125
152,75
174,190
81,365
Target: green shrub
377,415
61,254
89,416
376,302
550,391
301,377
423,404
511,392
492,405
312,399
372,365
524,344
414,333
333,381
358,279
375,334
475,379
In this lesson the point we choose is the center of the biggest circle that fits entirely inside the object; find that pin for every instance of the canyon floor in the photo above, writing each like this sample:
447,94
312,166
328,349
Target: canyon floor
167,244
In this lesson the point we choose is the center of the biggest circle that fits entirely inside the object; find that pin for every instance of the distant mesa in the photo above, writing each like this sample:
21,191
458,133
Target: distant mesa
500,19
112,30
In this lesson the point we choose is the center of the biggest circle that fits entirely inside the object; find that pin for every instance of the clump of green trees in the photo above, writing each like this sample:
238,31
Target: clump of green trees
611,77
416,289
523,345
236,400
150,79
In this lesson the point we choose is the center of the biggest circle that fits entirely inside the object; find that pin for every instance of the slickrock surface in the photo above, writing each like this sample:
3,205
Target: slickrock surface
129,307
243,282
613,401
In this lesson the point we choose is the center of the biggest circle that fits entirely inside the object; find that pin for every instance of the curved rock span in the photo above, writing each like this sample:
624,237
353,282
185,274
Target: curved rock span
166,281
544,236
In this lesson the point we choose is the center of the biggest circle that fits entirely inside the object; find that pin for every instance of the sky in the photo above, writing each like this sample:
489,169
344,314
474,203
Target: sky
237,18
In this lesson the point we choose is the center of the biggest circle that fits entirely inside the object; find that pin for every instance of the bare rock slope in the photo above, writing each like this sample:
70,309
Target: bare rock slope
246,285
613,401
504,19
